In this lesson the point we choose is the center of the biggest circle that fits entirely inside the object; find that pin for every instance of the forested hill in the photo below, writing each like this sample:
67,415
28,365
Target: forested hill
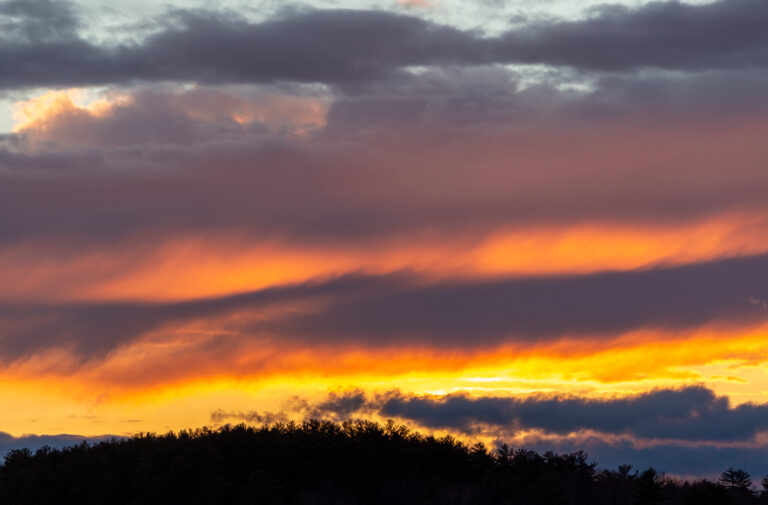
320,462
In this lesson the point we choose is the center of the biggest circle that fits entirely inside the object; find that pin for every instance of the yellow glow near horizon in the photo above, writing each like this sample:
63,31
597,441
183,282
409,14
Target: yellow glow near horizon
101,398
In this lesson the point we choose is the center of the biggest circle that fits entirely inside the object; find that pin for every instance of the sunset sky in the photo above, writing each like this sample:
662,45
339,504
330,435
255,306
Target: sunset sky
543,223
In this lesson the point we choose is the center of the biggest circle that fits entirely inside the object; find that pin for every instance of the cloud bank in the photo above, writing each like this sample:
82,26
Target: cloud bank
398,309
687,431
312,45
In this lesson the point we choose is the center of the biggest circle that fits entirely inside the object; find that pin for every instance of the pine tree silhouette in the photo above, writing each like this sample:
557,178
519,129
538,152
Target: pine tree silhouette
736,479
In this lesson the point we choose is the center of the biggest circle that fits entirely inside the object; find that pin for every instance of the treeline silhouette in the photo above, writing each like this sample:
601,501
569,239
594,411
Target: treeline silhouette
322,462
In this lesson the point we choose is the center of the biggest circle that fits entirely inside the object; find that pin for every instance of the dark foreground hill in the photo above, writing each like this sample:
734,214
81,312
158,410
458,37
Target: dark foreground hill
319,462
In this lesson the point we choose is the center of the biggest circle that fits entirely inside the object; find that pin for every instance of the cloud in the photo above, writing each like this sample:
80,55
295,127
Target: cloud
688,431
313,45
164,115
308,46
38,21
693,414
90,330
276,189
341,405
489,312
632,149
669,35
404,309
221,416
337,406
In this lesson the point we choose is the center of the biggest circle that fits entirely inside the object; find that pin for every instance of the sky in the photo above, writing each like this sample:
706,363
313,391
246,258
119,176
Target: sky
539,223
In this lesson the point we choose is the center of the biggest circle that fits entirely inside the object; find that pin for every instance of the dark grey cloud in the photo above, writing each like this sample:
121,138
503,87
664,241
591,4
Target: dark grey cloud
467,101
488,312
338,406
92,330
689,414
403,309
670,34
313,46
223,416
693,431
338,46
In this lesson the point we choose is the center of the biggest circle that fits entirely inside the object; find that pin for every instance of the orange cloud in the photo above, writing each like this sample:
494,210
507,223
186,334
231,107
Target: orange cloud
179,377
192,267
84,116
200,353
40,112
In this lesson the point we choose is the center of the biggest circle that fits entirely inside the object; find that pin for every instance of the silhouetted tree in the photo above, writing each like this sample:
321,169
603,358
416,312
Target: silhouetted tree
736,478
321,462
504,455
649,487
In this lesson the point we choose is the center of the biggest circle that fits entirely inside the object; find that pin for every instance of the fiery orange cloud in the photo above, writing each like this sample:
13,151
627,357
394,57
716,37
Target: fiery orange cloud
193,267
38,112
175,359
160,382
